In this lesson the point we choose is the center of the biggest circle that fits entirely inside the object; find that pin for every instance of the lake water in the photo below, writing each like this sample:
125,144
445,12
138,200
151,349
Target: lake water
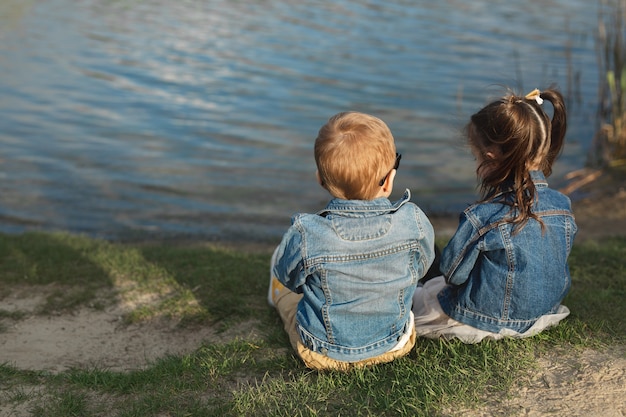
136,119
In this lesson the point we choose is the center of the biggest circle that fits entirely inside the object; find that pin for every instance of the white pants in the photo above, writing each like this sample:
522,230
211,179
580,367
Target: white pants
432,322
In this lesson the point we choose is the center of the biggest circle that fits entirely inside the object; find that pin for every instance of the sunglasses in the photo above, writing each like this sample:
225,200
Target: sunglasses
395,166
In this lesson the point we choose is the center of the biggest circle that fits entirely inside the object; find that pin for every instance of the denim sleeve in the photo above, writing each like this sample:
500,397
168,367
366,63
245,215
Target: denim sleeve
461,252
289,266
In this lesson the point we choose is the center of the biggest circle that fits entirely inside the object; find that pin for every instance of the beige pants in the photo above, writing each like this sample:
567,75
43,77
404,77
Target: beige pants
286,303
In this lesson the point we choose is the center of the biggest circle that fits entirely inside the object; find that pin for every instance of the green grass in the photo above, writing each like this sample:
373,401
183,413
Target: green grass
210,286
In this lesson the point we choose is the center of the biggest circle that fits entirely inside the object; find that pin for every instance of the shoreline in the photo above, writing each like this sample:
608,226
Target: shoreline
599,206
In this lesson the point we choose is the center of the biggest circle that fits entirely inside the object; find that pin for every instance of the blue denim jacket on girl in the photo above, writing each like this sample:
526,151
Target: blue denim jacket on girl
501,280
357,264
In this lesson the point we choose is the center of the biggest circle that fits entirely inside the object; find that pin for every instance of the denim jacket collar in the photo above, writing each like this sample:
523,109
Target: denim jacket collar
537,177
364,208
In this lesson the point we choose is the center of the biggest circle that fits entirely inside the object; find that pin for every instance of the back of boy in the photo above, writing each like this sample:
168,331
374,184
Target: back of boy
343,278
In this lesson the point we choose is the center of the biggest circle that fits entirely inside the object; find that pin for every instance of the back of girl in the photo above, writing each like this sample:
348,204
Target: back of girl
505,270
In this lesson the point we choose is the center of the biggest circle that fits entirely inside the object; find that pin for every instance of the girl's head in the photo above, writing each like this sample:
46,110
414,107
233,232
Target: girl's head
511,137
354,152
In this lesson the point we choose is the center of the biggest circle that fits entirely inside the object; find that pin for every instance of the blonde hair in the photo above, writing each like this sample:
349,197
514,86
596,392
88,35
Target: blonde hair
353,152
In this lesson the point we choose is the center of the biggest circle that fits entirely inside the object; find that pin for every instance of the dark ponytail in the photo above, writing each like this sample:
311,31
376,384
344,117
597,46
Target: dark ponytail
559,127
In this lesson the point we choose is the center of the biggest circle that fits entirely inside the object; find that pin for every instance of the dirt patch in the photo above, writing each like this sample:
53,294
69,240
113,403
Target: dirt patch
589,383
600,206
572,384
98,338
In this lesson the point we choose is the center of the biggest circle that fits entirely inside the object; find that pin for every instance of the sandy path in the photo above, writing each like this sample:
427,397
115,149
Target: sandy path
95,338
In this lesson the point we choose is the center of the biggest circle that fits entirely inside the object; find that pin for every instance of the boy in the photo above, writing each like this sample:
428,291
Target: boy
343,279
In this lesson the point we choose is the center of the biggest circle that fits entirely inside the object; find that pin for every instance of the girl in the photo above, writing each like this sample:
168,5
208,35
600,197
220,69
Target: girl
505,269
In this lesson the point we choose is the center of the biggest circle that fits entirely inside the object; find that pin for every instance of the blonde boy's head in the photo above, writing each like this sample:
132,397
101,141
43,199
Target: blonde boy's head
353,153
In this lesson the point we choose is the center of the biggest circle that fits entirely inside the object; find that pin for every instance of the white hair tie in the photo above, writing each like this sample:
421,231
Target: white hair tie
535,95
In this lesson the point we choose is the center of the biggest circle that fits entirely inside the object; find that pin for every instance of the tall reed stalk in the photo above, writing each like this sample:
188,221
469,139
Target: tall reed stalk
610,140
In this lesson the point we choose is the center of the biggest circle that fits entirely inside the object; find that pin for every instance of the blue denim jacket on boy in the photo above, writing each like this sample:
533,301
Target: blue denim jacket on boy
501,280
357,263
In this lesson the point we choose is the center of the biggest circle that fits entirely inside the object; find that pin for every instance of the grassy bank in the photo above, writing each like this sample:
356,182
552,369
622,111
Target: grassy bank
199,285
